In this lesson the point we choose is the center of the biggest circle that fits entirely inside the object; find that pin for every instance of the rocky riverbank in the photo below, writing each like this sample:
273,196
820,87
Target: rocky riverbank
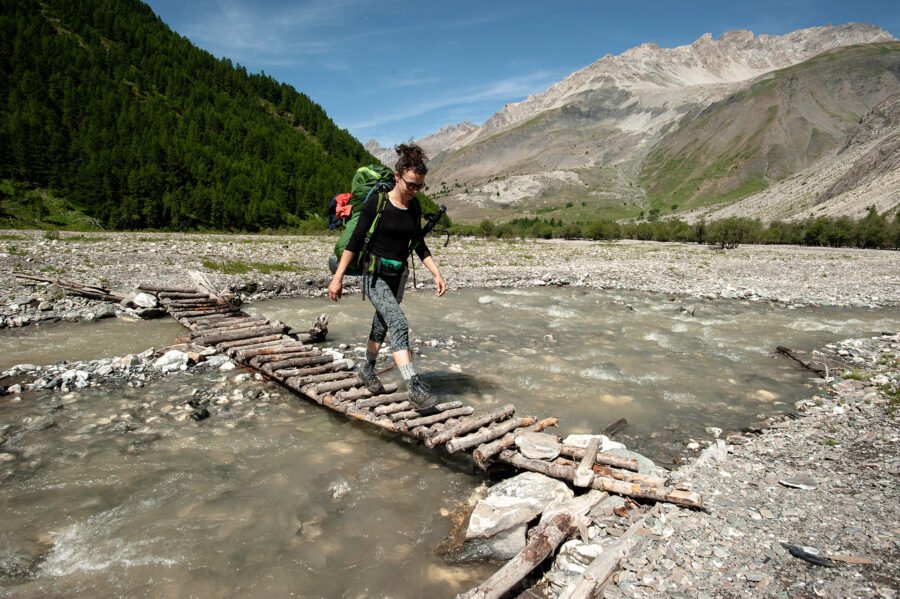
262,267
807,505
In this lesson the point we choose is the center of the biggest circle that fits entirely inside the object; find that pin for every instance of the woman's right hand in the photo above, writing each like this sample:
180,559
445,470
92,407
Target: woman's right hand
335,288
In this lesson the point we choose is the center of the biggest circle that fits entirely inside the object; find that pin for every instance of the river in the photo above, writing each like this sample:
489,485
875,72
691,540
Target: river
274,496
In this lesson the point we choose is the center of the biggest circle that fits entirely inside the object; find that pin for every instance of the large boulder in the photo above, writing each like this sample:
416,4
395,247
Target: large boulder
503,516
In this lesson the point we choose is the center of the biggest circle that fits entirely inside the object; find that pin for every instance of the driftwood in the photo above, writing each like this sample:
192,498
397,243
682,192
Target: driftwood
554,528
485,452
597,574
584,474
601,458
790,354
567,473
336,366
470,424
89,291
178,296
153,288
488,434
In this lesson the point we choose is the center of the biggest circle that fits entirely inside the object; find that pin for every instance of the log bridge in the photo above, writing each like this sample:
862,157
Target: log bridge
280,354
289,357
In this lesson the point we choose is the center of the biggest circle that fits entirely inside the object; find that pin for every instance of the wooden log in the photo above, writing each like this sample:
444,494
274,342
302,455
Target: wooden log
602,458
584,473
352,395
247,354
228,324
619,474
300,351
470,424
418,411
181,295
279,340
188,300
226,345
299,381
298,362
155,288
393,408
195,321
567,473
426,420
204,312
383,399
251,333
543,542
485,452
488,434
331,367
348,382
807,365
598,573
230,328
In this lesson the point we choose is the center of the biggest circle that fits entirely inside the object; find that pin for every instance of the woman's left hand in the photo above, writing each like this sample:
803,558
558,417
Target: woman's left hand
440,287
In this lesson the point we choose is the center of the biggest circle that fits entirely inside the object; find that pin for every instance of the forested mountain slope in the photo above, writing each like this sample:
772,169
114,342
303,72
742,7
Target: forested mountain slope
104,104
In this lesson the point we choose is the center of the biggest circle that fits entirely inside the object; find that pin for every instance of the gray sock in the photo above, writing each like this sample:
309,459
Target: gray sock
371,357
407,371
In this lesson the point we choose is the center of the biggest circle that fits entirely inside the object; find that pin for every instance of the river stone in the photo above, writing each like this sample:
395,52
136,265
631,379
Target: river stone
172,360
504,545
105,311
145,300
807,483
538,446
582,441
515,501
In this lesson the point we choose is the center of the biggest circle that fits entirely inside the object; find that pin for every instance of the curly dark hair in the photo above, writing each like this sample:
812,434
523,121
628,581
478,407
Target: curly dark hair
412,158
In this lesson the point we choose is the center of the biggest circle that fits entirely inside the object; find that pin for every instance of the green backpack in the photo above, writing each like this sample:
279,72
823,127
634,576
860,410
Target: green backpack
370,183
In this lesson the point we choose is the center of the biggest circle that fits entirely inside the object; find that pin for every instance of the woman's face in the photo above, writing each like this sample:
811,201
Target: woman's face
410,183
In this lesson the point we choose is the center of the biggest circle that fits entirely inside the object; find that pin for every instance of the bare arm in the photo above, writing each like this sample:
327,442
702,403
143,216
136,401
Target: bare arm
440,287
336,287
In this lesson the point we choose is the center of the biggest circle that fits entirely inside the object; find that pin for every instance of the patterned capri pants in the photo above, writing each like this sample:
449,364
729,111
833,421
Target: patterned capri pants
386,292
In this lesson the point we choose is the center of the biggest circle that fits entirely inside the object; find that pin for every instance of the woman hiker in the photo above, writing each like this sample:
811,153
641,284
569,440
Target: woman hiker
398,230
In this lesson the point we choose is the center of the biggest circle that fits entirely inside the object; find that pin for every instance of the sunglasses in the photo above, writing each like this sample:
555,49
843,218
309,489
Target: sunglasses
413,186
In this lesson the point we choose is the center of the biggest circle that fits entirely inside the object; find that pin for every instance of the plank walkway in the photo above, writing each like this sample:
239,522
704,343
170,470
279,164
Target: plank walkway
291,359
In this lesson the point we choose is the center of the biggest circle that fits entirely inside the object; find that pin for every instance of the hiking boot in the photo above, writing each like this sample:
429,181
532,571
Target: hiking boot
420,392
370,379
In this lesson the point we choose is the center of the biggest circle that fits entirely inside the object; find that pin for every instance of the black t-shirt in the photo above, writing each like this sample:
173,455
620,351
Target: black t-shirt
394,233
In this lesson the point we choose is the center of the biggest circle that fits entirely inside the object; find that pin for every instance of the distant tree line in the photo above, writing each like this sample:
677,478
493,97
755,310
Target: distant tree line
874,231
103,104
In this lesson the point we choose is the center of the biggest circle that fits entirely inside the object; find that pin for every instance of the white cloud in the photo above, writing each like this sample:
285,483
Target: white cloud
494,93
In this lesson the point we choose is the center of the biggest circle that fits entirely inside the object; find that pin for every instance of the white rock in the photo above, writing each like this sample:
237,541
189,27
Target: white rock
606,444
171,361
145,300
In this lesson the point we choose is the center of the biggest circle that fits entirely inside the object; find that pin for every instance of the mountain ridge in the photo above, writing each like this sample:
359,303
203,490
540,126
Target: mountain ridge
582,141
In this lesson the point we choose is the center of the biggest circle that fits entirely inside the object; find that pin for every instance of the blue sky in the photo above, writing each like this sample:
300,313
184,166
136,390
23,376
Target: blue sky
394,70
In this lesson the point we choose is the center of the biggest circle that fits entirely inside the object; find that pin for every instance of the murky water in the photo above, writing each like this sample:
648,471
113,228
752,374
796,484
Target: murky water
119,493
49,343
